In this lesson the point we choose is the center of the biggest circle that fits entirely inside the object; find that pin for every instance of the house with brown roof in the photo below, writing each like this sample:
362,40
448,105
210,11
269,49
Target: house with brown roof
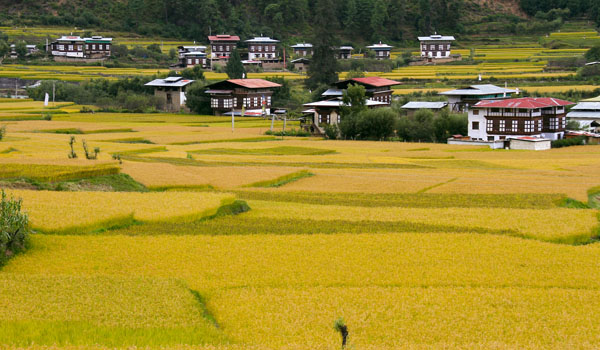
222,45
243,97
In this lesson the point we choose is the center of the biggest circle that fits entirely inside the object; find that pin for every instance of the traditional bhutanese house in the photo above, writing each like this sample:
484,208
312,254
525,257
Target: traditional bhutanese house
460,99
345,52
382,51
413,106
301,64
171,92
377,89
303,49
191,56
222,45
328,112
262,48
30,49
492,120
253,96
75,47
435,46
586,113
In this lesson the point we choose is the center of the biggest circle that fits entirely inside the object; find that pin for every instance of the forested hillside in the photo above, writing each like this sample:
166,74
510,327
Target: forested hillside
356,20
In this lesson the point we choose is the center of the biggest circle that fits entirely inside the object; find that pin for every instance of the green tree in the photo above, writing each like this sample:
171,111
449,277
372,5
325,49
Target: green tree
21,49
14,227
376,124
234,67
378,19
593,54
196,100
4,48
354,100
323,66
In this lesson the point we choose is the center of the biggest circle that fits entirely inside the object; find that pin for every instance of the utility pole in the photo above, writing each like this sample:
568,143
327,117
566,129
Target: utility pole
53,91
232,121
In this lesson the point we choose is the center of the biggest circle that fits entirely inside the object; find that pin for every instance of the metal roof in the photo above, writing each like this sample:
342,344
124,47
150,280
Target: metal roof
346,48
247,83
224,37
302,46
339,103
424,105
170,81
436,37
262,39
590,106
593,99
380,46
581,114
301,59
333,92
70,38
524,102
195,53
477,90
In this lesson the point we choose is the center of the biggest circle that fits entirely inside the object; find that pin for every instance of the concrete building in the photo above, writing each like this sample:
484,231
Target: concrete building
171,92
345,52
460,99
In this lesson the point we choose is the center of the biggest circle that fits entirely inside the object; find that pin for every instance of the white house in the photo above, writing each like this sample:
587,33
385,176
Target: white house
586,113
382,51
262,47
436,46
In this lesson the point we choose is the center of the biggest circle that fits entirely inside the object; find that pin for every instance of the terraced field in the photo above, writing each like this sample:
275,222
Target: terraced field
204,238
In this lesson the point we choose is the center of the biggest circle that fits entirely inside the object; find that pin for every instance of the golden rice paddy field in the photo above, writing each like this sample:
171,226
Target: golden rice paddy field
416,246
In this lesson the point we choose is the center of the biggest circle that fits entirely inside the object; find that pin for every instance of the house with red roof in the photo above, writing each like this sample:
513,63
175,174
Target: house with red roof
222,45
241,96
495,120
377,89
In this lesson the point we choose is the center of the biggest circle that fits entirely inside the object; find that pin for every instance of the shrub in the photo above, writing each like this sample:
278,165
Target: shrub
14,227
2,132
576,141
291,132
332,131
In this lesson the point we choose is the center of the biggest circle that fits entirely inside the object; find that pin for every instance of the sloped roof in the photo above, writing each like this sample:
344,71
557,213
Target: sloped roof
262,39
375,81
524,102
380,46
593,99
476,90
224,37
424,105
246,83
436,37
170,81
338,103
302,46
588,106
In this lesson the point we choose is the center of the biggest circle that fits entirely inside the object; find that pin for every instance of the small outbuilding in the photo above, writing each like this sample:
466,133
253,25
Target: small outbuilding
301,64
171,92
530,143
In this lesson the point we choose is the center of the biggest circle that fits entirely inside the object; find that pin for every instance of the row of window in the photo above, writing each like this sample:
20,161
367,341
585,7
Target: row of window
259,48
101,47
264,55
222,48
246,102
194,61
382,98
432,47
326,119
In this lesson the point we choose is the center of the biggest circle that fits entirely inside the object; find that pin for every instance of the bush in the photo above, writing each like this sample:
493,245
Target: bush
291,132
331,131
14,227
576,141
2,132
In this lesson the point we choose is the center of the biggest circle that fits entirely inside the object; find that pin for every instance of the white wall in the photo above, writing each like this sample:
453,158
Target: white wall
481,133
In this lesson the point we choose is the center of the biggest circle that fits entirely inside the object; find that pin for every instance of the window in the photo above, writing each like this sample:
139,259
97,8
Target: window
475,112
214,48
228,103
324,119
99,46
431,47
197,61
553,123
189,61
515,125
529,126
490,138
70,47
539,125
502,125
475,125
273,48
490,125
220,47
79,47
107,47
255,102
87,46
563,122
495,110
441,47
61,47
252,48
246,102
268,100
93,46
227,47
214,103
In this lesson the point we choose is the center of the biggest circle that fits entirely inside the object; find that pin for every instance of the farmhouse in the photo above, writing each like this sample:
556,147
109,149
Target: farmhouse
171,92
191,56
345,52
460,99
241,96
301,64
377,89
586,113
413,106
303,49
492,120
328,112
30,49
382,51
435,46
262,48
75,47
222,45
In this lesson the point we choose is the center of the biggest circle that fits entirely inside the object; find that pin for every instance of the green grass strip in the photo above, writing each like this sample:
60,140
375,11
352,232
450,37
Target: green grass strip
131,140
594,197
248,139
9,150
75,131
195,162
183,188
282,180
273,151
125,154
411,200
437,185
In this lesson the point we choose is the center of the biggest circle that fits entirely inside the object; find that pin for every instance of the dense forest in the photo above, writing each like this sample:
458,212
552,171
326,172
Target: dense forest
355,20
